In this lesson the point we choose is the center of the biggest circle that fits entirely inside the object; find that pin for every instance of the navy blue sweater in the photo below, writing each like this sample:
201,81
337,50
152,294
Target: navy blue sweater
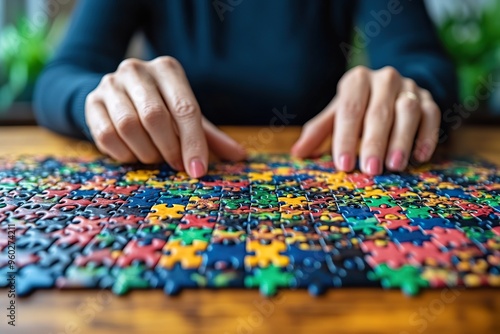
243,58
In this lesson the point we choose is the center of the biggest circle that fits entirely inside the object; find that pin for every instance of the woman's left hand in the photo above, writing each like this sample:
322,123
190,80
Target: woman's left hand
388,116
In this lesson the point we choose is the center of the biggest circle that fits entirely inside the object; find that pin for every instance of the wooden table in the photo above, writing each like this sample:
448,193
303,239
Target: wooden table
365,310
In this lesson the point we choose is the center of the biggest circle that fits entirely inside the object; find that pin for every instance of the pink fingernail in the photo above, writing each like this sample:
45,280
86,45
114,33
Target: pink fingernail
373,166
345,162
197,168
396,160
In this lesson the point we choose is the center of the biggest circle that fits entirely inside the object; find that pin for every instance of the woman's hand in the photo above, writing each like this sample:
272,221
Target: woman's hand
147,111
380,111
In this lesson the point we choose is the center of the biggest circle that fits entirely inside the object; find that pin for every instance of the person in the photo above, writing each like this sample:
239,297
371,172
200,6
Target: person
252,62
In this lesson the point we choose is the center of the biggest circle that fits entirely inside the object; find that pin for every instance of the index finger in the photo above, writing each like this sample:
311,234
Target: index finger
185,111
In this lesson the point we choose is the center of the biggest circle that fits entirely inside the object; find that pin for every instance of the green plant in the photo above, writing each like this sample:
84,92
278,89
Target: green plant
24,50
474,43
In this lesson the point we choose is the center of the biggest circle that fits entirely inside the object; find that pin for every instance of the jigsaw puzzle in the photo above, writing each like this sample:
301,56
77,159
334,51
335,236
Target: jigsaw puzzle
270,223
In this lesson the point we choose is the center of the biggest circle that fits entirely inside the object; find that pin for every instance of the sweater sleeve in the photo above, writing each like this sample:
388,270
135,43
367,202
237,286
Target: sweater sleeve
399,33
95,43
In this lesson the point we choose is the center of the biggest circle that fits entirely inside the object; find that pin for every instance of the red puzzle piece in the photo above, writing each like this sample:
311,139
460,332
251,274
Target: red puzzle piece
134,251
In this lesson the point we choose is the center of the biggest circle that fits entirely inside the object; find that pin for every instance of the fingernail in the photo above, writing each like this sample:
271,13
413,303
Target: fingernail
197,168
396,160
345,162
373,166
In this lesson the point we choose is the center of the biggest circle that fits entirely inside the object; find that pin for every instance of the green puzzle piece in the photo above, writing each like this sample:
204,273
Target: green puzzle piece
129,278
269,280
477,233
367,227
418,212
266,215
234,204
377,202
187,236
406,277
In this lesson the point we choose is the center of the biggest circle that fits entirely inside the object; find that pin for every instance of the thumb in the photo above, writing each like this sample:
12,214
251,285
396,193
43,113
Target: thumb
221,144
314,133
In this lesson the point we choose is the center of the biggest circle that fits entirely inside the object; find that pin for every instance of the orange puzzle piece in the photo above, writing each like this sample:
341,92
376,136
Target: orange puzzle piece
187,255
266,254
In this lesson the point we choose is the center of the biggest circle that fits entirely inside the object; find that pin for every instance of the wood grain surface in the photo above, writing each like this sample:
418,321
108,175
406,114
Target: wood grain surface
360,310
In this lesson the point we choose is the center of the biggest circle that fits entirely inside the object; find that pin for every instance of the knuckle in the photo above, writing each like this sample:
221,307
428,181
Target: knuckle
105,137
360,72
425,93
152,114
126,123
345,141
351,110
406,103
373,144
130,64
431,109
91,98
389,74
382,114
108,80
168,62
194,145
184,108
412,85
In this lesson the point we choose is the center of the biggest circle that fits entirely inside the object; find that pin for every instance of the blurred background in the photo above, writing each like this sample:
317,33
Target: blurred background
31,29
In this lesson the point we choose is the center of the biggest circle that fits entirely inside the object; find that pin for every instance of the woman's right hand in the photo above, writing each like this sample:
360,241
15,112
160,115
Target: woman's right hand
147,112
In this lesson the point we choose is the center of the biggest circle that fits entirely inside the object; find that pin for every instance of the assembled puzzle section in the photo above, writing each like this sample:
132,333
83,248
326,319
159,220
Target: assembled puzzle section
270,223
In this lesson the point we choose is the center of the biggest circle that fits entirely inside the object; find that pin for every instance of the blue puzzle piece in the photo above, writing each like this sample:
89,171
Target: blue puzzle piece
83,193
430,223
33,277
315,278
460,193
404,235
299,256
170,200
176,279
227,255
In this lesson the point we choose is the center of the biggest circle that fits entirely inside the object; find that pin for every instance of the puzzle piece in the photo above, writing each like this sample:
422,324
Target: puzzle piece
175,279
266,254
33,277
128,278
187,255
381,252
407,277
315,277
164,212
448,237
269,279
143,251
